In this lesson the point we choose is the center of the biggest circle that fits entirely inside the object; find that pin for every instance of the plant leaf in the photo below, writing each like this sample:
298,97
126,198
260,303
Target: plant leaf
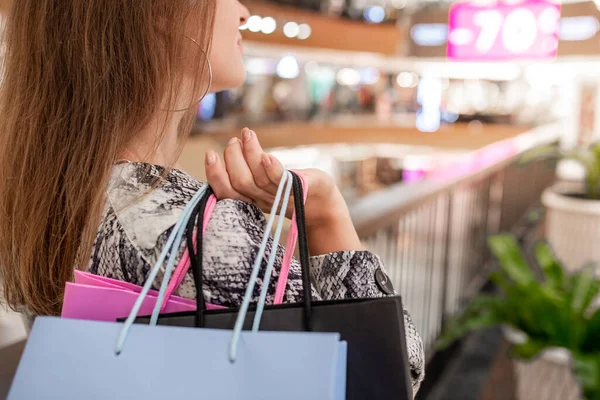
585,288
528,350
501,281
549,264
482,312
592,178
460,328
591,336
593,182
588,160
508,252
587,371
541,153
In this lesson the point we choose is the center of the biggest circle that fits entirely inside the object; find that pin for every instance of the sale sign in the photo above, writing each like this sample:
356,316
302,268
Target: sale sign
526,29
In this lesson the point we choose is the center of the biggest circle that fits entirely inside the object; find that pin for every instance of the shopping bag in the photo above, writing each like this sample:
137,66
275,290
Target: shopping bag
74,359
95,303
96,298
67,358
373,328
89,279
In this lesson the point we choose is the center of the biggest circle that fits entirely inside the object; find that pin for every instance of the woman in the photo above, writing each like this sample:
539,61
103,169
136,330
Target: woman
98,99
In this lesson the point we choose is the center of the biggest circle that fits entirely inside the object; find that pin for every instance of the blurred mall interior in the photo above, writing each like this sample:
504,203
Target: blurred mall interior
422,111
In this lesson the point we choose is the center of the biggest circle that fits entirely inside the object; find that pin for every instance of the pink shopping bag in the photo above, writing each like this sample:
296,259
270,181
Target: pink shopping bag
97,298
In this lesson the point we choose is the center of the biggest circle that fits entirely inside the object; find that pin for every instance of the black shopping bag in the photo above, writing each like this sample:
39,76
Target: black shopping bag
374,328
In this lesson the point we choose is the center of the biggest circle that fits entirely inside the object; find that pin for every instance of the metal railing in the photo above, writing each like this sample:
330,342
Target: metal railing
431,235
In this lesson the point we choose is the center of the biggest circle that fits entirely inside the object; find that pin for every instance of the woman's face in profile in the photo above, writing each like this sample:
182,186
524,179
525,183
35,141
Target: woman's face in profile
226,51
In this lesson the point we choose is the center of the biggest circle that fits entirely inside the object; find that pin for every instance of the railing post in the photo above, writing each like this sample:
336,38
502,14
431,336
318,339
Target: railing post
430,265
487,196
447,248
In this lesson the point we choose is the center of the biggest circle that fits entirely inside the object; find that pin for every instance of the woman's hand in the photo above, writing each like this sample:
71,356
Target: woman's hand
251,175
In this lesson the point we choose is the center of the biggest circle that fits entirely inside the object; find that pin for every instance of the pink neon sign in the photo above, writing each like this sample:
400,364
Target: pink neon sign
504,31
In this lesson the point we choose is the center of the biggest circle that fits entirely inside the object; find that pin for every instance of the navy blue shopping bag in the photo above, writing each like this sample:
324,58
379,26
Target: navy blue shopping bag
76,359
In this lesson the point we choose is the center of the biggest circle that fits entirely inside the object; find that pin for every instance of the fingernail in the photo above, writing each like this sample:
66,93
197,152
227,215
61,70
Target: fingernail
247,135
266,160
233,141
211,158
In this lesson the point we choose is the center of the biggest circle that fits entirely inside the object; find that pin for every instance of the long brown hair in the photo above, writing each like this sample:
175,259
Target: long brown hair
80,79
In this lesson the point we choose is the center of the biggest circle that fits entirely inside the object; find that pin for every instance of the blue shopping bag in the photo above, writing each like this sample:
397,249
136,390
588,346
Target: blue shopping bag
72,359
76,359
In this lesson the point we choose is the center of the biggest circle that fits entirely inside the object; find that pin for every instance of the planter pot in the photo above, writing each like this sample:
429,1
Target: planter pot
572,225
548,377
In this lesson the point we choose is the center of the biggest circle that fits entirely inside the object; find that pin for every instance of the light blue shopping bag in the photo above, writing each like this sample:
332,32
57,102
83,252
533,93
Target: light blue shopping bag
75,359
72,359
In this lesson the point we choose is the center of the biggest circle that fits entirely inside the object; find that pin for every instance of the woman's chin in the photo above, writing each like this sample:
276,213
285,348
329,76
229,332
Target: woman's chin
232,80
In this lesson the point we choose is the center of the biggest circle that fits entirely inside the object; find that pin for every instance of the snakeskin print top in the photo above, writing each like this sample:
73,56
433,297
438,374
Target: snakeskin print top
139,215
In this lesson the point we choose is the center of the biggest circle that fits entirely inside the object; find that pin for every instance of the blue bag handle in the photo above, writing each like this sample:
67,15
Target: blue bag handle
174,239
239,322
277,235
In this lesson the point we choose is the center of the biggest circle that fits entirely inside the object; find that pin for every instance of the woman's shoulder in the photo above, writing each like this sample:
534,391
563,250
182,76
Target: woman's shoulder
148,200
142,185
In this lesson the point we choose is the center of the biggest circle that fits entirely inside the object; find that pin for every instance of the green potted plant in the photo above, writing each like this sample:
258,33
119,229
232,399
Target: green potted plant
550,309
573,216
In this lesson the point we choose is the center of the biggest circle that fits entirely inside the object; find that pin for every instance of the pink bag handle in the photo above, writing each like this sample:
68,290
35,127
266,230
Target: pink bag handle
184,263
289,249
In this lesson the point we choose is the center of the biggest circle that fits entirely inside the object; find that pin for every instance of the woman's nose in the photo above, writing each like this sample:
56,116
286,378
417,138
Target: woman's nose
244,14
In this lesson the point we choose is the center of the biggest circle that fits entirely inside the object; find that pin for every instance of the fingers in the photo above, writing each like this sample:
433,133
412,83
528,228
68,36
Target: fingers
218,179
247,173
239,172
253,153
273,168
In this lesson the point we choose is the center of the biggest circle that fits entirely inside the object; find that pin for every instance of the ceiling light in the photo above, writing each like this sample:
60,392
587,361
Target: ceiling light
254,23
304,31
291,29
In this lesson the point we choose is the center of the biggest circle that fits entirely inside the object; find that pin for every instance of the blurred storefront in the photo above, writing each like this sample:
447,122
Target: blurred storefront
319,72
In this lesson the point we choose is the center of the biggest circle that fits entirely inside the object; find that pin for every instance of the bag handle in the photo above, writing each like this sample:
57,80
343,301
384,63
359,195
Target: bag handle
303,249
173,242
297,182
184,265
289,248
195,249
196,257
239,322
289,180
271,262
